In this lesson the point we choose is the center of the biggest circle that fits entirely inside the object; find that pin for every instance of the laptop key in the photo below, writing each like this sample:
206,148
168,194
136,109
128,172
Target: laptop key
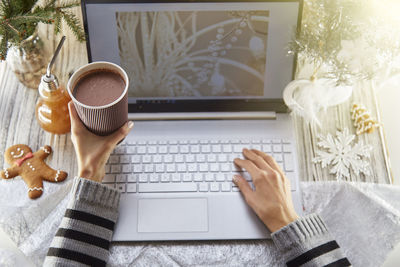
163,150
175,187
126,168
113,159
198,177
165,177
203,187
157,159
153,178
115,168
136,159
201,158
121,178
109,178
125,159
131,188
130,149
119,150
214,187
143,178
187,177
195,149
190,158
132,178
152,149
225,187
287,148
146,159
121,188
220,177
289,164
141,150
107,168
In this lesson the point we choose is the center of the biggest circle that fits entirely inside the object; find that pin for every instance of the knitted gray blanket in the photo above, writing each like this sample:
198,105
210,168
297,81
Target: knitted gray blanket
364,218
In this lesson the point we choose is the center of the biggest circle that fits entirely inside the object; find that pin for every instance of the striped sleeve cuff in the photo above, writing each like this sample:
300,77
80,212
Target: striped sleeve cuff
85,233
300,231
307,240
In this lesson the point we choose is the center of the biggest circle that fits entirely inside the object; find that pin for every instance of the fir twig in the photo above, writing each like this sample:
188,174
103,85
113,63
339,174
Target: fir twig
19,19
74,24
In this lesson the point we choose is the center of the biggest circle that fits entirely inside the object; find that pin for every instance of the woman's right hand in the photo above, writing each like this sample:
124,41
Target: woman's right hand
271,200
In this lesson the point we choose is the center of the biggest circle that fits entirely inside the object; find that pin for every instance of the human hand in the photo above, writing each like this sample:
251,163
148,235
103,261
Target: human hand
93,151
271,200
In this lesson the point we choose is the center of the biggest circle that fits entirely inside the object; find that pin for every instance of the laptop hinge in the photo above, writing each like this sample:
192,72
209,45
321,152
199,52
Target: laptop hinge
253,115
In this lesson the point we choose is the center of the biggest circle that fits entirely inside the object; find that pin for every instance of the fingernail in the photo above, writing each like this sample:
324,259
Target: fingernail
130,124
235,179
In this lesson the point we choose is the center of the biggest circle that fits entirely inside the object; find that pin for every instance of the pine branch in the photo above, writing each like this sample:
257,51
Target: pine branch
74,24
57,24
69,4
3,46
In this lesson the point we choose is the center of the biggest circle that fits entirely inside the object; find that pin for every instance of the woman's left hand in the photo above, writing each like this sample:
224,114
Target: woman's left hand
93,151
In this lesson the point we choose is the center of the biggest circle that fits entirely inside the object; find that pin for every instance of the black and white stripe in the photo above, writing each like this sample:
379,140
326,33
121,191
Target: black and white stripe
86,247
90,218
316,252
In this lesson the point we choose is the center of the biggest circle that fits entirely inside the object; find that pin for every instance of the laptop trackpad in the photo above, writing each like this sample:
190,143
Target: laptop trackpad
172,215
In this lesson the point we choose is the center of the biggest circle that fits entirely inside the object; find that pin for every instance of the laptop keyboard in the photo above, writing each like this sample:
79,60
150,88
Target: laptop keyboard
159,166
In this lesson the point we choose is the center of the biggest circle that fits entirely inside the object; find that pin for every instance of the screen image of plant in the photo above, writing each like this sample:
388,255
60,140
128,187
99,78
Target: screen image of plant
194,53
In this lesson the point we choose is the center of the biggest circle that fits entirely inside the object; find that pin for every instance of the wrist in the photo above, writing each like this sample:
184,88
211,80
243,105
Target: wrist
281,222
88,174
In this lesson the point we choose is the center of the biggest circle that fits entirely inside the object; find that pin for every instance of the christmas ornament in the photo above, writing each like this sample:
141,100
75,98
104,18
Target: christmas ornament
307,98
342,155
325,25
362,119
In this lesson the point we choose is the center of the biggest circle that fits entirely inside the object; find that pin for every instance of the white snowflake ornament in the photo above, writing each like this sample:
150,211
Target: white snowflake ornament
343,155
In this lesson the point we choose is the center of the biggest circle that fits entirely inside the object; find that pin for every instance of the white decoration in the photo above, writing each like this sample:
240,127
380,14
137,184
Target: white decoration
6,173
307,98
342,155
57,174
45,150
35,188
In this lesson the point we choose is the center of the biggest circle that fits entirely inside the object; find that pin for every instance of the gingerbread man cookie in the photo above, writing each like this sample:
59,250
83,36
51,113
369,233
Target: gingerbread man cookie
31,167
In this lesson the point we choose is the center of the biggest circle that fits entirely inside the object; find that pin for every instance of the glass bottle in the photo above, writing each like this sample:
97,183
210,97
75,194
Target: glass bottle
52,107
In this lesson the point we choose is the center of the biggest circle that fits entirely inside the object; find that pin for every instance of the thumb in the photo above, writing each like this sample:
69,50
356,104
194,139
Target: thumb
122,132
244,187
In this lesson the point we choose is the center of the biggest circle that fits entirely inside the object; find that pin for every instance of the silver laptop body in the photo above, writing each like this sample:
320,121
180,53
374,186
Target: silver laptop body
174,169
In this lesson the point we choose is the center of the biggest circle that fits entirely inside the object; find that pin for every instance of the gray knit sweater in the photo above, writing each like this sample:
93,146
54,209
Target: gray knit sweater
84,235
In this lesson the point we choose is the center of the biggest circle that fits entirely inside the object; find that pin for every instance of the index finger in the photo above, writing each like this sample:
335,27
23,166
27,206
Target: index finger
75,120
249,166
269,159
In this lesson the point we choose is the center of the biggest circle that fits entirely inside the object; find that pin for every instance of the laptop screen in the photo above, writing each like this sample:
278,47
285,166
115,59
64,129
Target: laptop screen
196,56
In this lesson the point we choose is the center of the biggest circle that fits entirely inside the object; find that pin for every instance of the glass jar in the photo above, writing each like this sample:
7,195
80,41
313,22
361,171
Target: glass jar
28,61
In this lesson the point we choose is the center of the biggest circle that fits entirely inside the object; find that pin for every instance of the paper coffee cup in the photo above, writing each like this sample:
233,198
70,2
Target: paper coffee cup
106,119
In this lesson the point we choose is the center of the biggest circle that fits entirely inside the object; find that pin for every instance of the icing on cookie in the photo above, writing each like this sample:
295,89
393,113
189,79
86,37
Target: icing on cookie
30,166
6,173
19,155
56,178
45,150
35,188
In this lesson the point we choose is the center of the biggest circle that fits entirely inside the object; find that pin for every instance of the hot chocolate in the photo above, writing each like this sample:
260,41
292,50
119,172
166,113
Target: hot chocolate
99,88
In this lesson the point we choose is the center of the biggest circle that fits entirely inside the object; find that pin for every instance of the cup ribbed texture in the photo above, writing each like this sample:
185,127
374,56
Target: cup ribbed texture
104,121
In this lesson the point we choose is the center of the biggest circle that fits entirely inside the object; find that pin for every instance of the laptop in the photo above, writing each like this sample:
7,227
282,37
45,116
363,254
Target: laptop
206,81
